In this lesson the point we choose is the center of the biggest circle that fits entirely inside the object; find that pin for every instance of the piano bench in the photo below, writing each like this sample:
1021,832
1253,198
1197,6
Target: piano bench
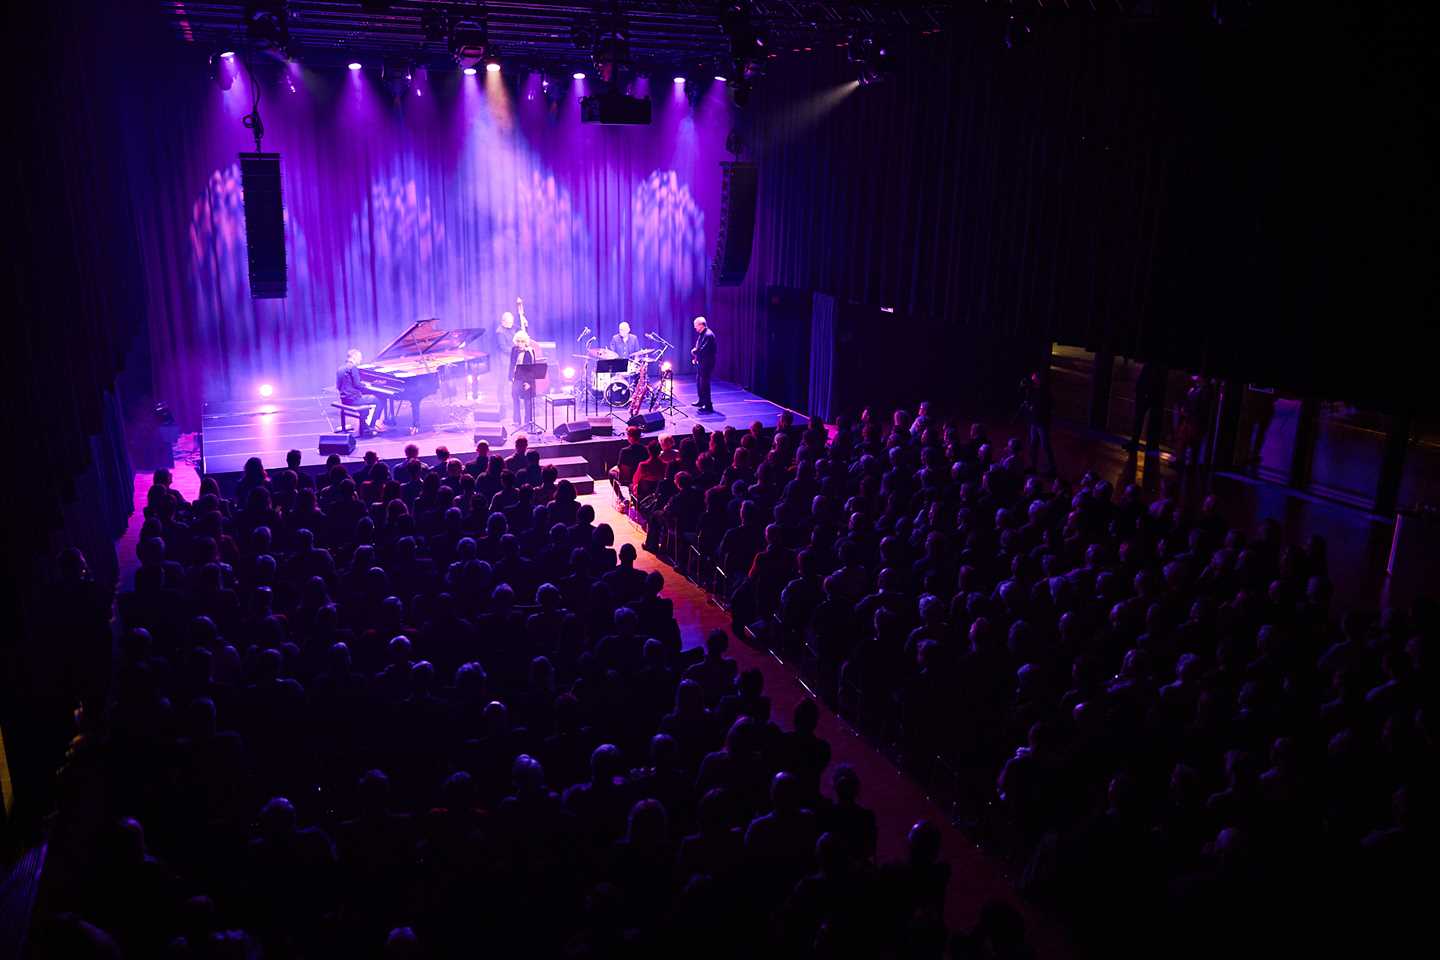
348,410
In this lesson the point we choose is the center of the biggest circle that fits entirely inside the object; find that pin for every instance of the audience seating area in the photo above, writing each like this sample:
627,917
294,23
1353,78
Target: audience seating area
433,712
1156,719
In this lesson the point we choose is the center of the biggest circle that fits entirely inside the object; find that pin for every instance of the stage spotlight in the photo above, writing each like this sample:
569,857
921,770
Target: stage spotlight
680,80
666,367
568,373
469,71
578,75
492,67
720,77
354,65
222,71
398,75
228,54
872,59
267,390
470,42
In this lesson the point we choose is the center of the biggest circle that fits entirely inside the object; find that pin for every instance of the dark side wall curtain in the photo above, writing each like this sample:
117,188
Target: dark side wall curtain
1162,188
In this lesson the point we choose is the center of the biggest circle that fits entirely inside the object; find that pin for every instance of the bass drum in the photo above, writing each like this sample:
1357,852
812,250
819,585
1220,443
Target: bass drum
617,393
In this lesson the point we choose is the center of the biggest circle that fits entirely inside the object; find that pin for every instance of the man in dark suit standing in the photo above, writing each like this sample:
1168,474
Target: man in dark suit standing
624,342
702,355
504,337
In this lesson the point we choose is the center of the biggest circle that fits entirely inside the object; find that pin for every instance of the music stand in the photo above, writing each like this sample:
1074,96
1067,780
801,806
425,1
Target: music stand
530,373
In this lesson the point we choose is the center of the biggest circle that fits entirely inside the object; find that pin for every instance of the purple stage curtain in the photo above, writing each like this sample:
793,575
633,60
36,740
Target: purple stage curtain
447,202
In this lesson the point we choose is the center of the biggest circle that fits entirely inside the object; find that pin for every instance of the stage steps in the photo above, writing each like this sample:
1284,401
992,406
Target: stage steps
567,466
574,469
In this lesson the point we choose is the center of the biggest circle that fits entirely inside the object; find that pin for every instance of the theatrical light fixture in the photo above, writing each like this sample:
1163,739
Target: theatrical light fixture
222,70
665,367
578,75
492,67
398,76
469,71
720,78
679,79
568,373
354,64
228,54
267,24
470,41
872,59
267,390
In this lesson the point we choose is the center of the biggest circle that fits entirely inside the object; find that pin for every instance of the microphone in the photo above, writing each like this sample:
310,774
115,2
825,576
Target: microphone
582,334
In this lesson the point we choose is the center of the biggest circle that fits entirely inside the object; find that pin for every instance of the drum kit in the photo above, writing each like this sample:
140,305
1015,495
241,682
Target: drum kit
614,380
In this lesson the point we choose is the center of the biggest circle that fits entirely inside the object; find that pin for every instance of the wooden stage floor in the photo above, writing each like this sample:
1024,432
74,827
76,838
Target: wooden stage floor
234,431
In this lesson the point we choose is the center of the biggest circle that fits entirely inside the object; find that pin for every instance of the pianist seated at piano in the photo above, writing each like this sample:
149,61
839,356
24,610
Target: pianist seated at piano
353,394
421,362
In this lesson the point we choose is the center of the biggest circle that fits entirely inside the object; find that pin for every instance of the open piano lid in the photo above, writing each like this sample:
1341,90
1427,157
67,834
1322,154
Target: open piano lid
457,340
425,336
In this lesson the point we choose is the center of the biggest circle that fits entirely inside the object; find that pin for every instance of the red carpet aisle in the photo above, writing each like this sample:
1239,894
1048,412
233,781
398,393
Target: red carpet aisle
897,801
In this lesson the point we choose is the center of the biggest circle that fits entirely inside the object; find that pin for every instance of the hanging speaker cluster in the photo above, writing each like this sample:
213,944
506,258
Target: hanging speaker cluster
264,224
739,183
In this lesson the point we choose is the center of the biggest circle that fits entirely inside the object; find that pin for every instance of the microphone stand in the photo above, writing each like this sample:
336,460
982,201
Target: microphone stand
672,411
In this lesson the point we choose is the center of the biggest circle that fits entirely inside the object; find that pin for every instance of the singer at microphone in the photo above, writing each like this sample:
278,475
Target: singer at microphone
624,342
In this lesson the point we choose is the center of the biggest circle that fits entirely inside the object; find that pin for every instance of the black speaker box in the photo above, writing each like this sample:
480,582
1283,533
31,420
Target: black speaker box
488,426
602,426
264,224
573,432
647,422
341,443
740,181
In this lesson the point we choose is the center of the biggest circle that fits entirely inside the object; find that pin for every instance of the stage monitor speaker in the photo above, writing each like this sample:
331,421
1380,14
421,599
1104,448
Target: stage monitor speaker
602,426
647,422
341,443
488,426
264,224
740,181
573,432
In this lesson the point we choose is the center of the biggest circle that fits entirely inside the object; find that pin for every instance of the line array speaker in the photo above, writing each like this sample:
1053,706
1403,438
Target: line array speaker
739,183
264,224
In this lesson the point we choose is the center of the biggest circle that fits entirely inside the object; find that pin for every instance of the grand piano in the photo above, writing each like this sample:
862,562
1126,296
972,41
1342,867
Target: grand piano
416,365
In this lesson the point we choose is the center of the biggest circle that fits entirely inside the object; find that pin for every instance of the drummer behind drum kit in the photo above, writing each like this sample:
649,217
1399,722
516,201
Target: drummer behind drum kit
615,380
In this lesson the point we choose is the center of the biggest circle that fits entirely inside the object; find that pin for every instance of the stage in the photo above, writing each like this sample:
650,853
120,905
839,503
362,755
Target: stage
232,432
